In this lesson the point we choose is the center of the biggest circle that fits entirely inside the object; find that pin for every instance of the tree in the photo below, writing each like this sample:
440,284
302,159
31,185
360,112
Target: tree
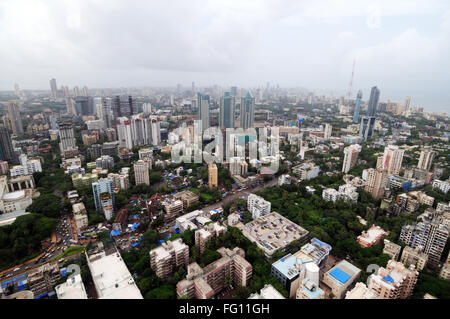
46,204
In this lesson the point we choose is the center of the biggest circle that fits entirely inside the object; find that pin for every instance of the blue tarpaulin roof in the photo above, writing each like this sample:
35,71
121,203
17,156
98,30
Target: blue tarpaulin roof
388,278
340,275
160,242
63,272
115,232
134,226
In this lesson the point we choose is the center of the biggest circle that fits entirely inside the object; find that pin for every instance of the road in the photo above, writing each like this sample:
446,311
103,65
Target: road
244,193
63,232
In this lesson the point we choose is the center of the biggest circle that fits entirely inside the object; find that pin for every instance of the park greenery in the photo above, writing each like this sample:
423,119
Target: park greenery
23,237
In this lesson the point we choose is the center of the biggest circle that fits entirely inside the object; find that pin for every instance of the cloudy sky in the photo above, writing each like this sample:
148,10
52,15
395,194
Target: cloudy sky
402,46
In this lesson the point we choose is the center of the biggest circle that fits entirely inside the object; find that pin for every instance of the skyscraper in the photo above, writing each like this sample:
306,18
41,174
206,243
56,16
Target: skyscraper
426,158
14,117
67,136
124,132
407,106
247,111
367,126
106,111
392,159
141,172
350,157
376,182
203,110
373,101
327,132
6,148
227,111
53,88
123,106
103,192
82,105
357,107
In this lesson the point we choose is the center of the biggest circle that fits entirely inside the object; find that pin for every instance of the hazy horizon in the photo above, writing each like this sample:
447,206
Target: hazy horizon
403,47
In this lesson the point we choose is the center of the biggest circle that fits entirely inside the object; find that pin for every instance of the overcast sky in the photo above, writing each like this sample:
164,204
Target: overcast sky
402,46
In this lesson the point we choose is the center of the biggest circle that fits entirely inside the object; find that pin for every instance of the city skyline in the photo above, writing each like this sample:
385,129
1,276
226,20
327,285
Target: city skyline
400,47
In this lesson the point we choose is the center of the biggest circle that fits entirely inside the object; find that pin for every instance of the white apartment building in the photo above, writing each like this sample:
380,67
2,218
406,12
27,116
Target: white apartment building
258,206
441,185
346,192
73,288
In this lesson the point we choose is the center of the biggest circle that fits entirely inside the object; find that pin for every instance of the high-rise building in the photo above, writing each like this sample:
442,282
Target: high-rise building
67,136
124,132
247,111
407,106
327,132
426,158
392,159
350,157
103,191
395,281
212,175
123,106
141,172
357,107
14,117
376,182
82,105
227,111
430,235
367,127
414,256
203,110
238,166
53,88
373,101
6,148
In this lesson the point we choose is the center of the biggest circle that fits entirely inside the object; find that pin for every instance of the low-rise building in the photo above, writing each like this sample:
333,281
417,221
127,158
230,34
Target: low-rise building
267,292
372,236
258,206
203,283
340,277
361,291
273,232
111,277
73,288
42,280
441,185
306,171
346,192
187,197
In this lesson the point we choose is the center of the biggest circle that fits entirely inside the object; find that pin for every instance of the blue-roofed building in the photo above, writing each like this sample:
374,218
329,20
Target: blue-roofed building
291,270
341,277
395,281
